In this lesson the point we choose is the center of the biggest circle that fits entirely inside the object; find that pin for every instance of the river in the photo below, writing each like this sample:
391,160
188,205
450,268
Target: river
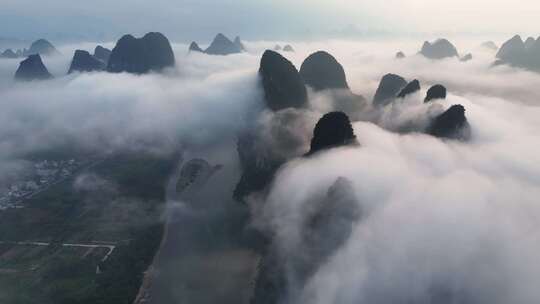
202,258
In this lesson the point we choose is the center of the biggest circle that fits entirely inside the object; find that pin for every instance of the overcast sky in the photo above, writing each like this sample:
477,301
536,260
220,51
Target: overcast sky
262,19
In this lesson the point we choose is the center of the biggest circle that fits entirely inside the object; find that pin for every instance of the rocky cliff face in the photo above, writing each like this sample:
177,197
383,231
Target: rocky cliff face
221,45
529,43
451,124
322,71
32,68
102,54
283,86
284,93
333,130
84,62
388,89
153,52
435,92
411,88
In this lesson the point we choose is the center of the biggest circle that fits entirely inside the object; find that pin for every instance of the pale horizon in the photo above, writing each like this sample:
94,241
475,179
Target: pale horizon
190,20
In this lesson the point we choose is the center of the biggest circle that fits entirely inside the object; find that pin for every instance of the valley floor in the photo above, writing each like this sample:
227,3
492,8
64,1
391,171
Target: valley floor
202,259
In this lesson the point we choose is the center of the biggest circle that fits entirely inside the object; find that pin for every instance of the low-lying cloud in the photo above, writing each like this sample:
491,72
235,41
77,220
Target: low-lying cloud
440,221
200,103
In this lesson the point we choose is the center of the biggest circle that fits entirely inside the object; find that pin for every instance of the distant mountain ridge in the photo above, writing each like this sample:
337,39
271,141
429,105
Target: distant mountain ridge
518,53
221,45
32,68
439,49
41,46
83,61
152,52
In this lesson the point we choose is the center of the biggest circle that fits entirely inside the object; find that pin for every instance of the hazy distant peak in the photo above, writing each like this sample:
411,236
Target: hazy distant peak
221,45
529,42
84,62
516,38
127,37
442,40
440,49
194,47
154,35
32,68
221,36
517,53
42,47
152,52
238,43
221,39
9,53
288,48
490,45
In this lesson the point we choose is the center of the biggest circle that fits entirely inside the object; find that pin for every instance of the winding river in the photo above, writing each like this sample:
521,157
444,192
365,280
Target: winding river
202,258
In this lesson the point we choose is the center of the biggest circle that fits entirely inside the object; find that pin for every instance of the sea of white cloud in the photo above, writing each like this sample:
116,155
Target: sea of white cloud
463,215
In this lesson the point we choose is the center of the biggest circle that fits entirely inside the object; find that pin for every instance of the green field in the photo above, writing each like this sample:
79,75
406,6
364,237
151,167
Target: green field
118,201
